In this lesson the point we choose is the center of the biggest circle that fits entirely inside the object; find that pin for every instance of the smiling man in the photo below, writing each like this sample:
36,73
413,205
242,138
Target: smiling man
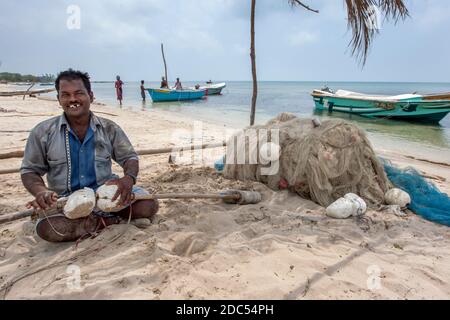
75,151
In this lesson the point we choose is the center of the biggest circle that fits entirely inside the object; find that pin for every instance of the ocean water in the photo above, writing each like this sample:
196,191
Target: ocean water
232,109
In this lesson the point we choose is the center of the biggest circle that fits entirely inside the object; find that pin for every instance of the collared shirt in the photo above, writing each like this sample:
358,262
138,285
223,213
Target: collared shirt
48,151
82,156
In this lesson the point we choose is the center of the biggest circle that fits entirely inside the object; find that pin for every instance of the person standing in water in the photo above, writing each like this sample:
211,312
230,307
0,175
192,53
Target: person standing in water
164,84
142,91
119,90
178,85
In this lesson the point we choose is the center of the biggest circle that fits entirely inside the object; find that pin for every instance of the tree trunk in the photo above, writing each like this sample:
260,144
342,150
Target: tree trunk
253,58
165,66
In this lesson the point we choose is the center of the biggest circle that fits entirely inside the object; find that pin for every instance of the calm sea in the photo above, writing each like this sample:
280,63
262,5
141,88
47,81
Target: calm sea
232,109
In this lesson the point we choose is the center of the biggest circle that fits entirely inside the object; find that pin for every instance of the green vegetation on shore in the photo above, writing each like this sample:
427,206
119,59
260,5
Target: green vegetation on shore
17,77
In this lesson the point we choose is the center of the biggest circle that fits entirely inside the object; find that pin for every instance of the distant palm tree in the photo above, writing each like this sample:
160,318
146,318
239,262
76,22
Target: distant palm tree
361,15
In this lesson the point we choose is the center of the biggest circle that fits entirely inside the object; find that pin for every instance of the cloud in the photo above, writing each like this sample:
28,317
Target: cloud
434,15
302,38
211,38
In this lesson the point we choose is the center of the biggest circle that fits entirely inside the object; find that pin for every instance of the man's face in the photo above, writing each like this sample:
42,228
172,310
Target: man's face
74,98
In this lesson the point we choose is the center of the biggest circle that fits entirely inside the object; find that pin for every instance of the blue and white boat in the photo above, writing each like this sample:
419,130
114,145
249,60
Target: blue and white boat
162,95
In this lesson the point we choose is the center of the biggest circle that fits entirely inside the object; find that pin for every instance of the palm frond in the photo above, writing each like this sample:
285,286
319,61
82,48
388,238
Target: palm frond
294,3
360,15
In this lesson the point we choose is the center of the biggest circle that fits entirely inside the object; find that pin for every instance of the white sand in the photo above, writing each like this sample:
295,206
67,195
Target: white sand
283,248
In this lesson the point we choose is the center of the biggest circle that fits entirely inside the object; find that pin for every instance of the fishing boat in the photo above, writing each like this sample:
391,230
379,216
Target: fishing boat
161,95
214,88
211,88
410,107
22,93
437,96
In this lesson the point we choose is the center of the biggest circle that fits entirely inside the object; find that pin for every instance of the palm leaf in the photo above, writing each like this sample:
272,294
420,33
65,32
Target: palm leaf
360,15
360,21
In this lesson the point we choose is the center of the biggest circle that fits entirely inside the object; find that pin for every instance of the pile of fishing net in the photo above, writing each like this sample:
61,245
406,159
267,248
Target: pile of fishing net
319,161
427,200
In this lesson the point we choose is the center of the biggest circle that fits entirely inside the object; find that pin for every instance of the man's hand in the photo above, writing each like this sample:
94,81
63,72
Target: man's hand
125,187
43,200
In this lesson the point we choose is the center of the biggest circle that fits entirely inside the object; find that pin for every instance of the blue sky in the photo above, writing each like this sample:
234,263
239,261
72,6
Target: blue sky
210,39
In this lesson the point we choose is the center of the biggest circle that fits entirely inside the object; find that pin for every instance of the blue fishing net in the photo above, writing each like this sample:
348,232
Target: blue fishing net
426,199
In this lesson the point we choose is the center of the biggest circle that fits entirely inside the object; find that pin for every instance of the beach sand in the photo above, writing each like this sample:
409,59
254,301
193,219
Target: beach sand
282,248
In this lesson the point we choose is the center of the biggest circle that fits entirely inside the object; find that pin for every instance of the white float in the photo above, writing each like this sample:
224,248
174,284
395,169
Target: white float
104,195
358,202
347,206
80,204
397,197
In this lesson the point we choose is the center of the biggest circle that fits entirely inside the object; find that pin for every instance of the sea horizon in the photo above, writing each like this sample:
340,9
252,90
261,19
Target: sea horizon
284,81
232,108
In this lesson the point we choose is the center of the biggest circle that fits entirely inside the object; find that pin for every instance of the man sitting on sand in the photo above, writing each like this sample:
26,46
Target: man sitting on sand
75,151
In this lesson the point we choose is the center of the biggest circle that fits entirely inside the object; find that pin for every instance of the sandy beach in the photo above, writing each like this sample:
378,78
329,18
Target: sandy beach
282,248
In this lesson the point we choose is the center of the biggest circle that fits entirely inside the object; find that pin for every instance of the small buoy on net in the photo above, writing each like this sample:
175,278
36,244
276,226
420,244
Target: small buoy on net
347,206
242,197
80,204
316,122
104,195
397,197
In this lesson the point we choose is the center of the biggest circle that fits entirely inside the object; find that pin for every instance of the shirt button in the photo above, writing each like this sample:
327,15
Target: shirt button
82,177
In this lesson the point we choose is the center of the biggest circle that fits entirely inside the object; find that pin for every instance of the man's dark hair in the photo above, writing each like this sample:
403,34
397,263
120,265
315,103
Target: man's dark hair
74,75
142,81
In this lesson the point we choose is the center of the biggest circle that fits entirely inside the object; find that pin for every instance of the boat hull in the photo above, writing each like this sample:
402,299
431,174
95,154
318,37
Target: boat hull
417,110
164,95
214,89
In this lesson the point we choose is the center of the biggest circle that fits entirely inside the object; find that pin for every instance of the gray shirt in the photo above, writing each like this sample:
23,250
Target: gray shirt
47,151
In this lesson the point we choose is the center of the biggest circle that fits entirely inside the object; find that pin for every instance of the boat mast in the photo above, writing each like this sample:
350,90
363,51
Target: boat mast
164,59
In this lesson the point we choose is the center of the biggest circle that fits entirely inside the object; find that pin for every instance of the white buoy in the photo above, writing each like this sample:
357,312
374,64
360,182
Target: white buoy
358,202
347,206
80,204
342,208
397,197
104,195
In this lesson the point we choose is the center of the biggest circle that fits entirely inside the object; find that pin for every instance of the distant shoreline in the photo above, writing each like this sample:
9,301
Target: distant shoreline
293,81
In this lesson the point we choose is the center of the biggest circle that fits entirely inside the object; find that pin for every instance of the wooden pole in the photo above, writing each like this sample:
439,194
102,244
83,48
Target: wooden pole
185,148
12,154
28,213
165,65
145,152
253,59
232,196
28,90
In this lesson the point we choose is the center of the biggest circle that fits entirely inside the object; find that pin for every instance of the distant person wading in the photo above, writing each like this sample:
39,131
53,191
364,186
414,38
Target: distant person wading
164,84
119,90
142,91
178,85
